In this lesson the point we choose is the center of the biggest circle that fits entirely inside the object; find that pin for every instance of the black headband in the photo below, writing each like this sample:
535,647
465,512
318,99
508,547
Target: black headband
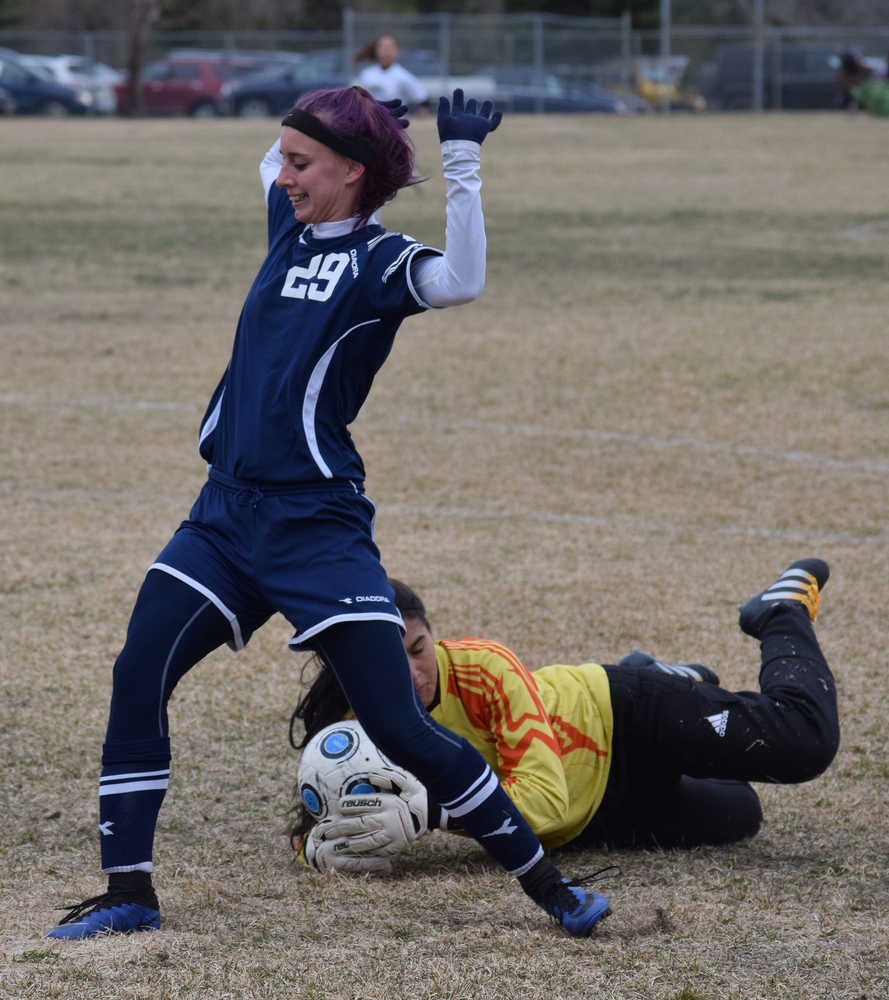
346,145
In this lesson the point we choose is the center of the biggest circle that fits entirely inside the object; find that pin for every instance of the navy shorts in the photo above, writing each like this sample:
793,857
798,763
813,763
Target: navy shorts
306,551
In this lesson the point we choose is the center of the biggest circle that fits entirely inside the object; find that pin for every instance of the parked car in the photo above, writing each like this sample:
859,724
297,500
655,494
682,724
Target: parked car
187,83
7,102
522,88
92,79
34,92
274,90
794,76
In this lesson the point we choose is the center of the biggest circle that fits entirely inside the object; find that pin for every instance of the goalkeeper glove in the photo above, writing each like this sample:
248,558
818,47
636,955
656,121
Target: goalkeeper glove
366,831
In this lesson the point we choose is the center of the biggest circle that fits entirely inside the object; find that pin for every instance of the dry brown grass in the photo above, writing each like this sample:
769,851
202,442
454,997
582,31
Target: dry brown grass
673,385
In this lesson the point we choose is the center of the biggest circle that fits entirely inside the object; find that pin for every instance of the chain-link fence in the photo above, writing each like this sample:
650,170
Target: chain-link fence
455,43
731,67
793,67
466,43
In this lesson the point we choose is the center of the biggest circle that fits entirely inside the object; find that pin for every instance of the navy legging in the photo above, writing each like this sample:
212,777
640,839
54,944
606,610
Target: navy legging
173,626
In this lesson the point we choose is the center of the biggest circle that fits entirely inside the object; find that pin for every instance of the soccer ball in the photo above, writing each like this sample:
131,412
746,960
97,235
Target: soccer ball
342,760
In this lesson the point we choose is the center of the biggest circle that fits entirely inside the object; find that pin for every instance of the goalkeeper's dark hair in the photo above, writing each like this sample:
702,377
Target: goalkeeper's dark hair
325,702
409,603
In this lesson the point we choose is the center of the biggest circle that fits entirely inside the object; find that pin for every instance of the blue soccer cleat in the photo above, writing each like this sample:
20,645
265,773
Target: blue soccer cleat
800,585
124,909
576,909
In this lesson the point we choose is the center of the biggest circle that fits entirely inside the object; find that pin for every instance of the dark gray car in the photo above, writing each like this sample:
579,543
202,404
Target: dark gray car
34,93
794,76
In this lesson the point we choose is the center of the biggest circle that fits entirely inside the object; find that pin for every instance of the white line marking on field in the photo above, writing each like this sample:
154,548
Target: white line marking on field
660,444
502,427
618,522
623,523
24,398
865,230
612,523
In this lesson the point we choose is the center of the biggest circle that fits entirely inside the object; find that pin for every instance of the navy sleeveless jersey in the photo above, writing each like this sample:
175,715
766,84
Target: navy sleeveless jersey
317,324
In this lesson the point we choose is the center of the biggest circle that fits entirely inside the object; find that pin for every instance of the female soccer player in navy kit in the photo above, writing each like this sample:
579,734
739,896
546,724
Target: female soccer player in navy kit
283,523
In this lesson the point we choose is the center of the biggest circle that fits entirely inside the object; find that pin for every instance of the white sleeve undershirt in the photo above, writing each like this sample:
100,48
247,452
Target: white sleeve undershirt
458,275
271,167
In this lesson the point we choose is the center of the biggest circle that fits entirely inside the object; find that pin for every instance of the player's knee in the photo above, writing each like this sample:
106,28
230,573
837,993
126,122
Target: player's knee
748,815
142,660
809,755
819,754
135,706
130,668
715,811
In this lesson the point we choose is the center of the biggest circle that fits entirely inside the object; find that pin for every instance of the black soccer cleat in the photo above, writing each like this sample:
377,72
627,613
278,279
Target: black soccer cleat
637,660
800,585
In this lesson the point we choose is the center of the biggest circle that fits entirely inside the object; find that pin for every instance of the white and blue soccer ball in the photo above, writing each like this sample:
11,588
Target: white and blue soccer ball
341,760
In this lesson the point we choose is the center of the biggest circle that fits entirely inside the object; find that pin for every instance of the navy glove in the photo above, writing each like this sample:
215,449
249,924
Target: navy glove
398,110
470,122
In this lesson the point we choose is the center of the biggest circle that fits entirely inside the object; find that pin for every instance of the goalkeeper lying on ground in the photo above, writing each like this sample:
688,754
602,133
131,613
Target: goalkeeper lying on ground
641,754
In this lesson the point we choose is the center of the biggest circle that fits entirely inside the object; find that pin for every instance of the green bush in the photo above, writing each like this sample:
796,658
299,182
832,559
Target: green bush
873,96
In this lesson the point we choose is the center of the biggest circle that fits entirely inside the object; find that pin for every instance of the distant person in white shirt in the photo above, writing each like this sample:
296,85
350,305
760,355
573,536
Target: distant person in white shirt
385,78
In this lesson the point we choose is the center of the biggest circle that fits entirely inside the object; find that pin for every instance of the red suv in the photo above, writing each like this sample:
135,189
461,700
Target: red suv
187,83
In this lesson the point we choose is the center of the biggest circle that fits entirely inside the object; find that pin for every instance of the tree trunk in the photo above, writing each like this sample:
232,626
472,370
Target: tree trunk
141,21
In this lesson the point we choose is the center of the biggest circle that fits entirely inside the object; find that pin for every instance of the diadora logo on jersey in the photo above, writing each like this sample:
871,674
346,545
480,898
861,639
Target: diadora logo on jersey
504,830
353,256
105,828
364,599
719,721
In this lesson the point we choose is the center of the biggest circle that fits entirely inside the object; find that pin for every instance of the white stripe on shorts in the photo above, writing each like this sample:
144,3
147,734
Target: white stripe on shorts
237,640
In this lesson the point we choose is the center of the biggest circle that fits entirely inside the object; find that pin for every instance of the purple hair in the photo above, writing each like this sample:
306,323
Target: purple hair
353,112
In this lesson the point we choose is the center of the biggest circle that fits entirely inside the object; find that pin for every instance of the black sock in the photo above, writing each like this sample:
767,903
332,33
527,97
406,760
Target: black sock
540,880
132,887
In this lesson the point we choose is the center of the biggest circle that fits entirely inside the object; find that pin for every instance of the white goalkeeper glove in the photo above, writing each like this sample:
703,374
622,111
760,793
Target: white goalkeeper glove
363,834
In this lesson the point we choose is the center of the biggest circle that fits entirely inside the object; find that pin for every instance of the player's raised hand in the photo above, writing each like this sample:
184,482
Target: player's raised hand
398,109
459,121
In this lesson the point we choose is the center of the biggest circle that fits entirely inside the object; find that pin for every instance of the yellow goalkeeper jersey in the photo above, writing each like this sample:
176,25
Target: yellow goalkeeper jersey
547,735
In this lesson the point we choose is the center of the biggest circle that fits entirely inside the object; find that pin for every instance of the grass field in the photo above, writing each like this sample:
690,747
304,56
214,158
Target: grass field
674,384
